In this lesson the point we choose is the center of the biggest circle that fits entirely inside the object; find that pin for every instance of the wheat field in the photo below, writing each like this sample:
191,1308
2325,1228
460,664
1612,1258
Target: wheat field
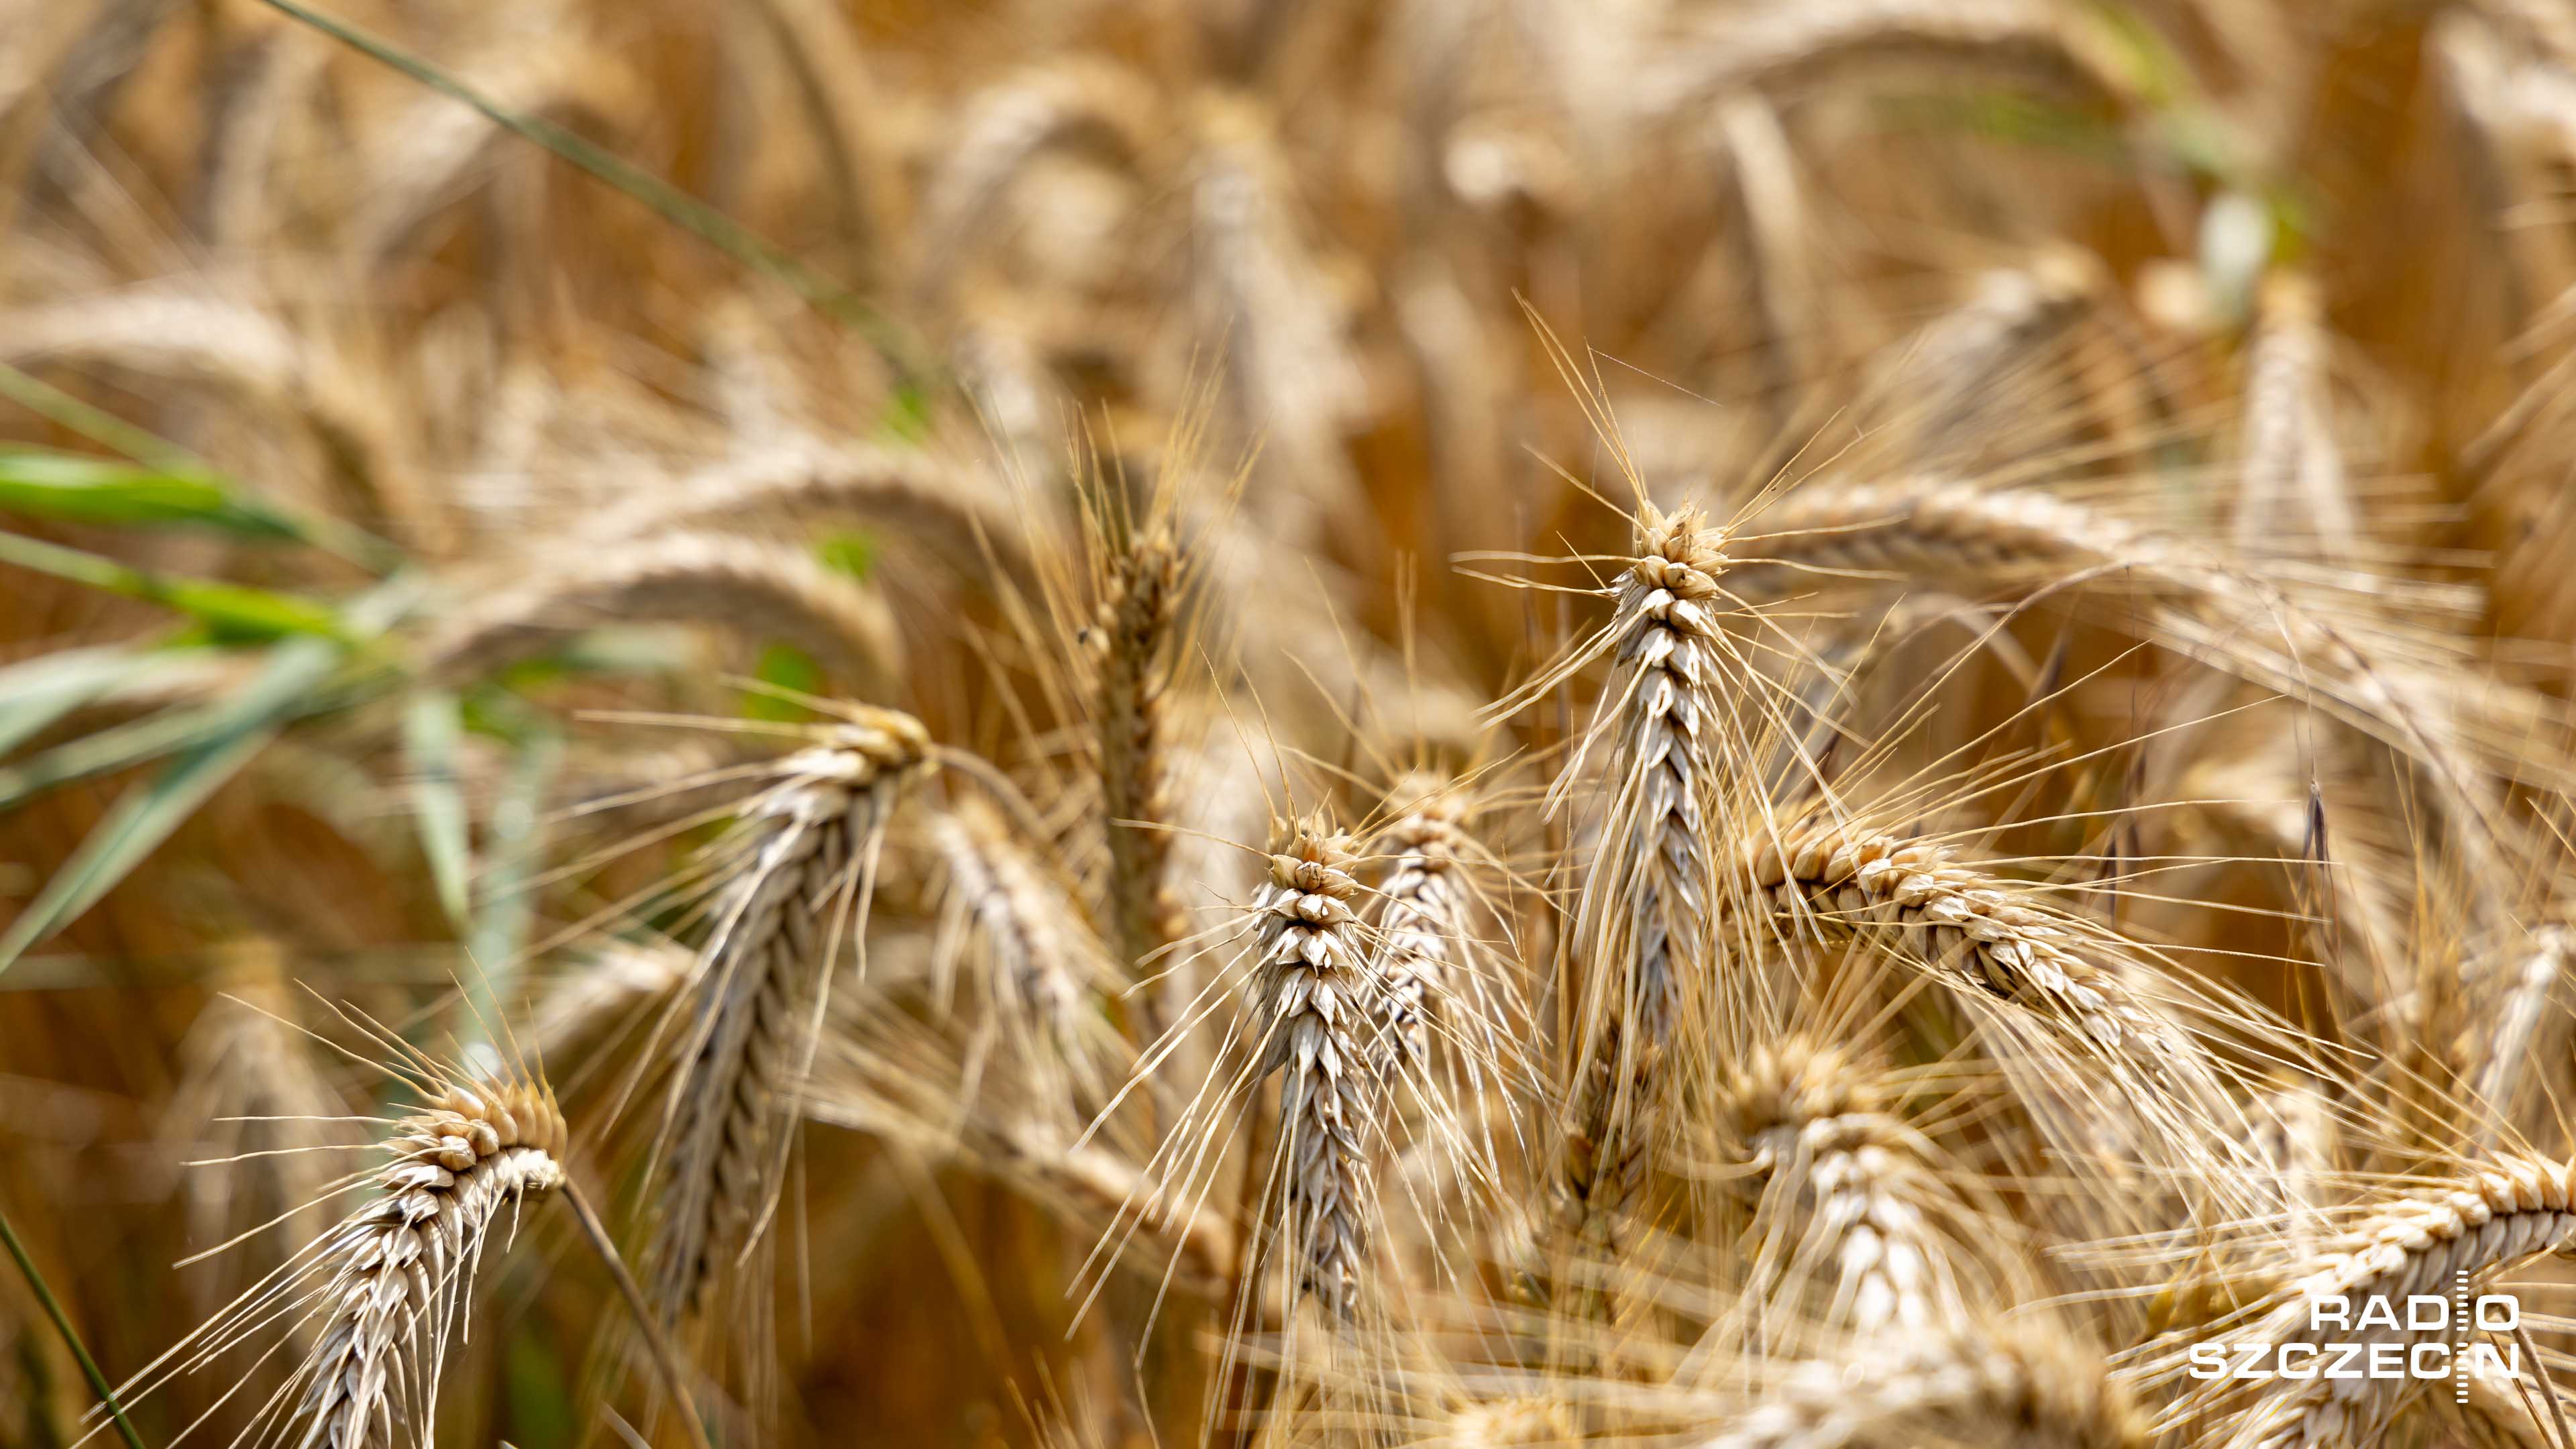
1121,723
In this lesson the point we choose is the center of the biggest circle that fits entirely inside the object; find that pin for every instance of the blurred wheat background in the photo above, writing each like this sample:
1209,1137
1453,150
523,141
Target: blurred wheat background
1132,722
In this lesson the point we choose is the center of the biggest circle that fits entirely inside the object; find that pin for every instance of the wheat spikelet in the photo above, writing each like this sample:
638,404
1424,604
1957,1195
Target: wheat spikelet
1781,48
807,860
401,1264
2294,472
1643,919
2488,1220
1983,543
762,590
1082,104
1952,376
2070,991
1315,1001
2033,1385
1136,649
1041,965
1848,1194
808,482
1421,922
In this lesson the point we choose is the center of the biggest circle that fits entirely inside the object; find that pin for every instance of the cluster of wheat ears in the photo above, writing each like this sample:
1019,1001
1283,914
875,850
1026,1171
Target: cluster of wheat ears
1123,722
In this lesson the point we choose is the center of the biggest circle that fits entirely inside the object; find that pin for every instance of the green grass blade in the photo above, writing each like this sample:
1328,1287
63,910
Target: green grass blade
80,489
71,1337
98,425
159,454
516,848
433,727
223,738
134,827
39,691
232,611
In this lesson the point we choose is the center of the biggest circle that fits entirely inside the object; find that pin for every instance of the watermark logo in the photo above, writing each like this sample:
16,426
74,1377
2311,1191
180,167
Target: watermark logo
2424,1336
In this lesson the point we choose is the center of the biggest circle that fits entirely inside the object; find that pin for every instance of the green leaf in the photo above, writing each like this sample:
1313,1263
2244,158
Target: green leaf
134,827
39,691
788,667
232,611
853,552
516,847
433,726
162,456
906,419
81,489
216,742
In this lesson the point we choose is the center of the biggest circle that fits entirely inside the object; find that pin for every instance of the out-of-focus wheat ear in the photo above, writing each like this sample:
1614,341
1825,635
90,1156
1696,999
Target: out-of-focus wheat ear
2295,1130
1136,644
1291,379
1809,46
1643,921
590,1009
2064,996
758,589
1855,1228
2505,1410
1950,382
1069,104
271,69
2025,1380
798,897
1315,1004
2485,1220
1988,544
399,1267
434,153
2530,1026
2294,485
821,51
1779,246
1453,1024
953,508
1041,969
183,332
2512,155
249,1097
